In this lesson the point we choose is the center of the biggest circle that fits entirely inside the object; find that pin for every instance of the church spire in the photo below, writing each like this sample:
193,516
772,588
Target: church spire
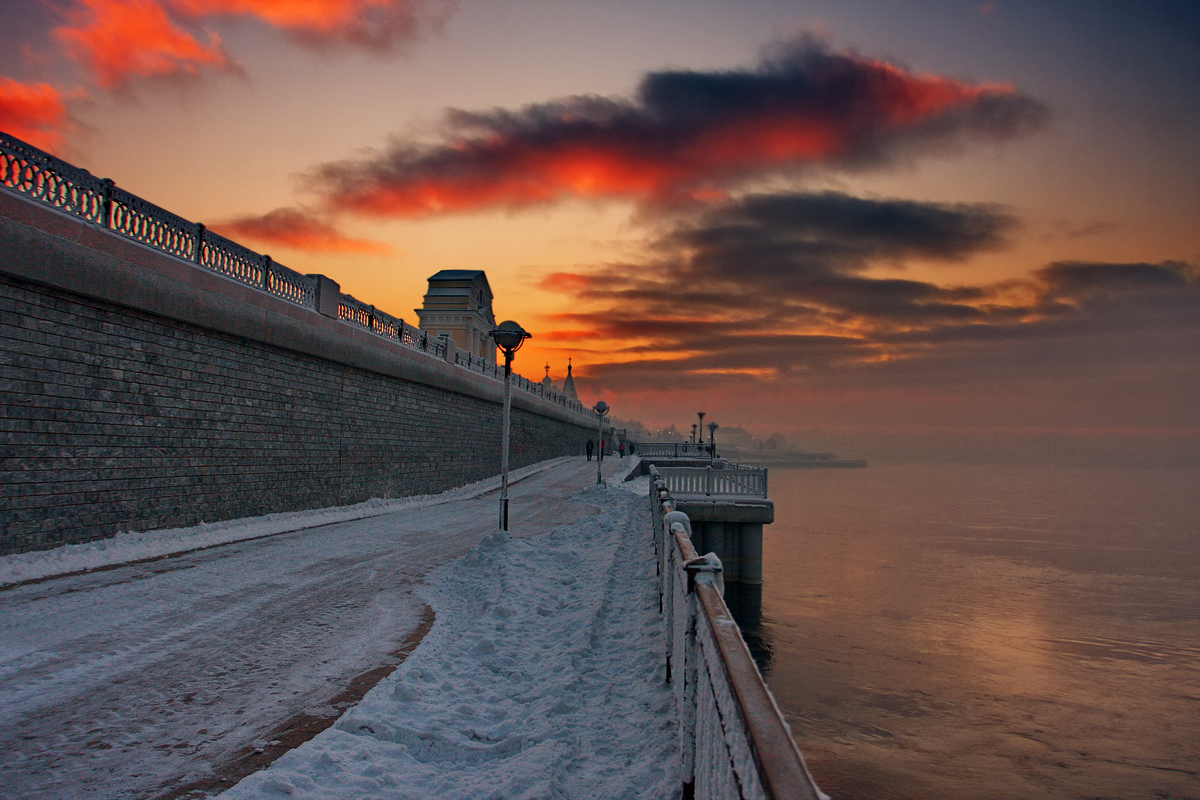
569,385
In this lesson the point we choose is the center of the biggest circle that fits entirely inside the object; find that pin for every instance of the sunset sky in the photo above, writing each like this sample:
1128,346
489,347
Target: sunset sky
941,228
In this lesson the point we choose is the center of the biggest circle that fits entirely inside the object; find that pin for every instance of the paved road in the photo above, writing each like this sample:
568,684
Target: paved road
130,682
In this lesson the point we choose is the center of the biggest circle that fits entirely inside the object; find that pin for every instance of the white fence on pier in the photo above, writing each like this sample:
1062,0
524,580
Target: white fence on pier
723,479
736,744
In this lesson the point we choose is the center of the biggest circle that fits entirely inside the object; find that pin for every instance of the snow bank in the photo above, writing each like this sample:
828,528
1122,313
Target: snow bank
127,547
542,678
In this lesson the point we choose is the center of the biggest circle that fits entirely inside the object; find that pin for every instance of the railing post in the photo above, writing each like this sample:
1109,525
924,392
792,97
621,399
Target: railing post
108,202
199,258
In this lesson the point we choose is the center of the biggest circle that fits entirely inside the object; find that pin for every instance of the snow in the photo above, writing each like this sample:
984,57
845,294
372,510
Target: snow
541,677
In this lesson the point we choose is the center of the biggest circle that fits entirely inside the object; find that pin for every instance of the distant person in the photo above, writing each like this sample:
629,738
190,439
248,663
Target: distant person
621,449
632,448
590,447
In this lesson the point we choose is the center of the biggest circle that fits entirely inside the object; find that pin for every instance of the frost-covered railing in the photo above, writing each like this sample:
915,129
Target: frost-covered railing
723,479
736,744
39,176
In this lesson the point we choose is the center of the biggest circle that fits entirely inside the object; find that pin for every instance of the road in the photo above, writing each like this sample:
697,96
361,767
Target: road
135,681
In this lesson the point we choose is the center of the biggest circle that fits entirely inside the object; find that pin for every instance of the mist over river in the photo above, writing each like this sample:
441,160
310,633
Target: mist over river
987,632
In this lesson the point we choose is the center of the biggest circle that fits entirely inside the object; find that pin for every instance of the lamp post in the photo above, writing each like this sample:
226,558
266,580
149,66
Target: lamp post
712,436
601,408
509,336
700,431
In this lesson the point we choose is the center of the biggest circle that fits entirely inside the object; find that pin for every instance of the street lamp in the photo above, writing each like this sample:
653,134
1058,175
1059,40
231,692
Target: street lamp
601,408
700,431
712,446
509,336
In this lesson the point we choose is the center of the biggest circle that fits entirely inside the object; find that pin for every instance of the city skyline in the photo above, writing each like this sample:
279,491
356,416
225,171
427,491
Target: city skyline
872,226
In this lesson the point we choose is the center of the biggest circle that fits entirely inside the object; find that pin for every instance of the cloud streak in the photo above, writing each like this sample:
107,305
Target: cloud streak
119,43
378,25
119,40
295,229
33,112
686,135
772,287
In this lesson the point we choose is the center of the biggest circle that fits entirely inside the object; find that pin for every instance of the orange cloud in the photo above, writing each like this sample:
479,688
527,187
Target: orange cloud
33,112
298,230
687,135
371,23
122,39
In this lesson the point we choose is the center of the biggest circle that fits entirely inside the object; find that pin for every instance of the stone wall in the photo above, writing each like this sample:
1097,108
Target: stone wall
139,393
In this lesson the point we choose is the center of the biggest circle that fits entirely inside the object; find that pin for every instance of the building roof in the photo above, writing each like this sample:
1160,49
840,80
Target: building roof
457,275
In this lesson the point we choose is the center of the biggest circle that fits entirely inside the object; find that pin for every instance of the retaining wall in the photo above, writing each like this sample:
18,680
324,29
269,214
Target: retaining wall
141,392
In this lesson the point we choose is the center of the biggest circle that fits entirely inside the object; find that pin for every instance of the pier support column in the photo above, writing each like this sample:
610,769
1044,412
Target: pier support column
733,529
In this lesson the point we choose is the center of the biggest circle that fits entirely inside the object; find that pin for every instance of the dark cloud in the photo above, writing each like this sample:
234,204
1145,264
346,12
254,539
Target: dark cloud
685,135
802,257
1074,280
783,285
797,237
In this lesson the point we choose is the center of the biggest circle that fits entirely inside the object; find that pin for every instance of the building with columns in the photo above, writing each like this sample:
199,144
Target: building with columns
458,306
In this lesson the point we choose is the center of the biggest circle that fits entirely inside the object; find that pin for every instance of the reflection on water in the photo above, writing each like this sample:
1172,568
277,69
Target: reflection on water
985,633
745,604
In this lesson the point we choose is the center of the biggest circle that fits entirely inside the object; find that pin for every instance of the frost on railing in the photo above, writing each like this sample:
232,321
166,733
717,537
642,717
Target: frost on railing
734,739
39,176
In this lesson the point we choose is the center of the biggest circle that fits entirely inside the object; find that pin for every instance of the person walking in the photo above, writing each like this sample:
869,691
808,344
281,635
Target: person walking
621,449
590,447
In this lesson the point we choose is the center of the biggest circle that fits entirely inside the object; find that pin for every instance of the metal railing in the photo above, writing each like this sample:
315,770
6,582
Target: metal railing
735,742
36,175
723,479
673,449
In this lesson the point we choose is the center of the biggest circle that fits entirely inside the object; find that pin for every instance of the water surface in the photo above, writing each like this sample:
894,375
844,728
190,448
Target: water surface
985,633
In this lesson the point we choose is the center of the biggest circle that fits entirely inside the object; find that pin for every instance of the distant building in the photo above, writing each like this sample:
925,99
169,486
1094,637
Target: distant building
458,307
567,389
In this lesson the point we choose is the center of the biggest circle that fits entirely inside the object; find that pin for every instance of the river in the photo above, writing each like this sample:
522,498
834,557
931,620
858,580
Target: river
987,632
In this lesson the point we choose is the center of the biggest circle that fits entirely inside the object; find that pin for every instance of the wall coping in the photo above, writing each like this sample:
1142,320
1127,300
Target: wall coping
46,246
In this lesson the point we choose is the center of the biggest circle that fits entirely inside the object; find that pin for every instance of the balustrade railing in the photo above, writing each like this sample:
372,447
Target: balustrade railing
39,176
673,449
735,742
723,479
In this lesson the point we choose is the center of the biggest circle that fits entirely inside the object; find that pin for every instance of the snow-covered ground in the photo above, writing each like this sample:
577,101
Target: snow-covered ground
540,678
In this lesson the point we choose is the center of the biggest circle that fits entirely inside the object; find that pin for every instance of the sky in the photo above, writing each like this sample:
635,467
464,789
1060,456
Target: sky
926,229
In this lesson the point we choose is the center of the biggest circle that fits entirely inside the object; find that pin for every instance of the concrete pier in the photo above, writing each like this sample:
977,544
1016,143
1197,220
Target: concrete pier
731,527
726,503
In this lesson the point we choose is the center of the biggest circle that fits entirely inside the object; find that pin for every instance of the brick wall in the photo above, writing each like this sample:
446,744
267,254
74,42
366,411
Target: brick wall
116,419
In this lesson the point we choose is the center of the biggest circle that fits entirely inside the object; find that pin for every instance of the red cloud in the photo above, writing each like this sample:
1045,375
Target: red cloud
34,112
687,135
295,229
371,23
122,39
